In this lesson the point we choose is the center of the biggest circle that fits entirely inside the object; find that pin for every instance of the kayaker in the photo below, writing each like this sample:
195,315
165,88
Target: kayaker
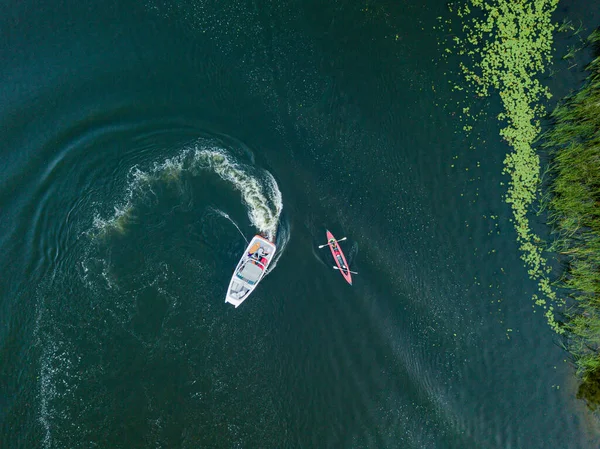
341,262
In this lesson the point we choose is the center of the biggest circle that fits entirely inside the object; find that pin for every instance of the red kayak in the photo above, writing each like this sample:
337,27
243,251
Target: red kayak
339,257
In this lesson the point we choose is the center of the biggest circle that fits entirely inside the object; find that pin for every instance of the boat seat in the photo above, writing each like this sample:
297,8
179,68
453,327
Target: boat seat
250,272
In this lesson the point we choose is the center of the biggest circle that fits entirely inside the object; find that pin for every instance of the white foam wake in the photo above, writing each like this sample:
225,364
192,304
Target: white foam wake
259,190
262,197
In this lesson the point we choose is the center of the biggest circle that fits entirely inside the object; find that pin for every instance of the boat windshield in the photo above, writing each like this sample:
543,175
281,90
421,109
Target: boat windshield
250,272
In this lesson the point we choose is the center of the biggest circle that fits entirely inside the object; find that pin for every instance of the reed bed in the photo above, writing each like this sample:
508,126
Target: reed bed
574,212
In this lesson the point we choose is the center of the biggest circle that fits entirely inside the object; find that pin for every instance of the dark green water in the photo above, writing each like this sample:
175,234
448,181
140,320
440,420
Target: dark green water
130,128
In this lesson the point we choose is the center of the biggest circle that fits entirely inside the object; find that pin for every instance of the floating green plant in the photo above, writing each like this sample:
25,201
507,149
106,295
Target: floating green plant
571,53
507,44
565,25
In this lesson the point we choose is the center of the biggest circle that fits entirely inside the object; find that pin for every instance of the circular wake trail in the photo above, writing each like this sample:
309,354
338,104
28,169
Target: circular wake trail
258,188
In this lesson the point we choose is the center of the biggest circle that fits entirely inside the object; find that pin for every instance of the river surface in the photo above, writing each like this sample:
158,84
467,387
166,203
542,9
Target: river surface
139,135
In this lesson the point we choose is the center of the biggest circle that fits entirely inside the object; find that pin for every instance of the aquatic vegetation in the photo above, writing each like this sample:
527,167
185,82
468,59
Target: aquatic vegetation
565,25
574,207
571,53
506,45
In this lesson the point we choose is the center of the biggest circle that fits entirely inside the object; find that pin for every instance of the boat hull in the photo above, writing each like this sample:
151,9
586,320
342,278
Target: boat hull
339,258
250,270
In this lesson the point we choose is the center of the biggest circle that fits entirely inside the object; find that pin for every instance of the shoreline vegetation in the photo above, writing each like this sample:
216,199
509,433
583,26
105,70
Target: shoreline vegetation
506,45
574,211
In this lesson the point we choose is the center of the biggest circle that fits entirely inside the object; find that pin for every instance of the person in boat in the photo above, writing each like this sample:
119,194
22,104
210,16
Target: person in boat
341,262
333,244
255,255
260,255
338,256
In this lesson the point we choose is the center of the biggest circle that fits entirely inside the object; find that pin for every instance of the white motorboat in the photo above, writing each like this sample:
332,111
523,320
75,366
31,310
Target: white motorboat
251,268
